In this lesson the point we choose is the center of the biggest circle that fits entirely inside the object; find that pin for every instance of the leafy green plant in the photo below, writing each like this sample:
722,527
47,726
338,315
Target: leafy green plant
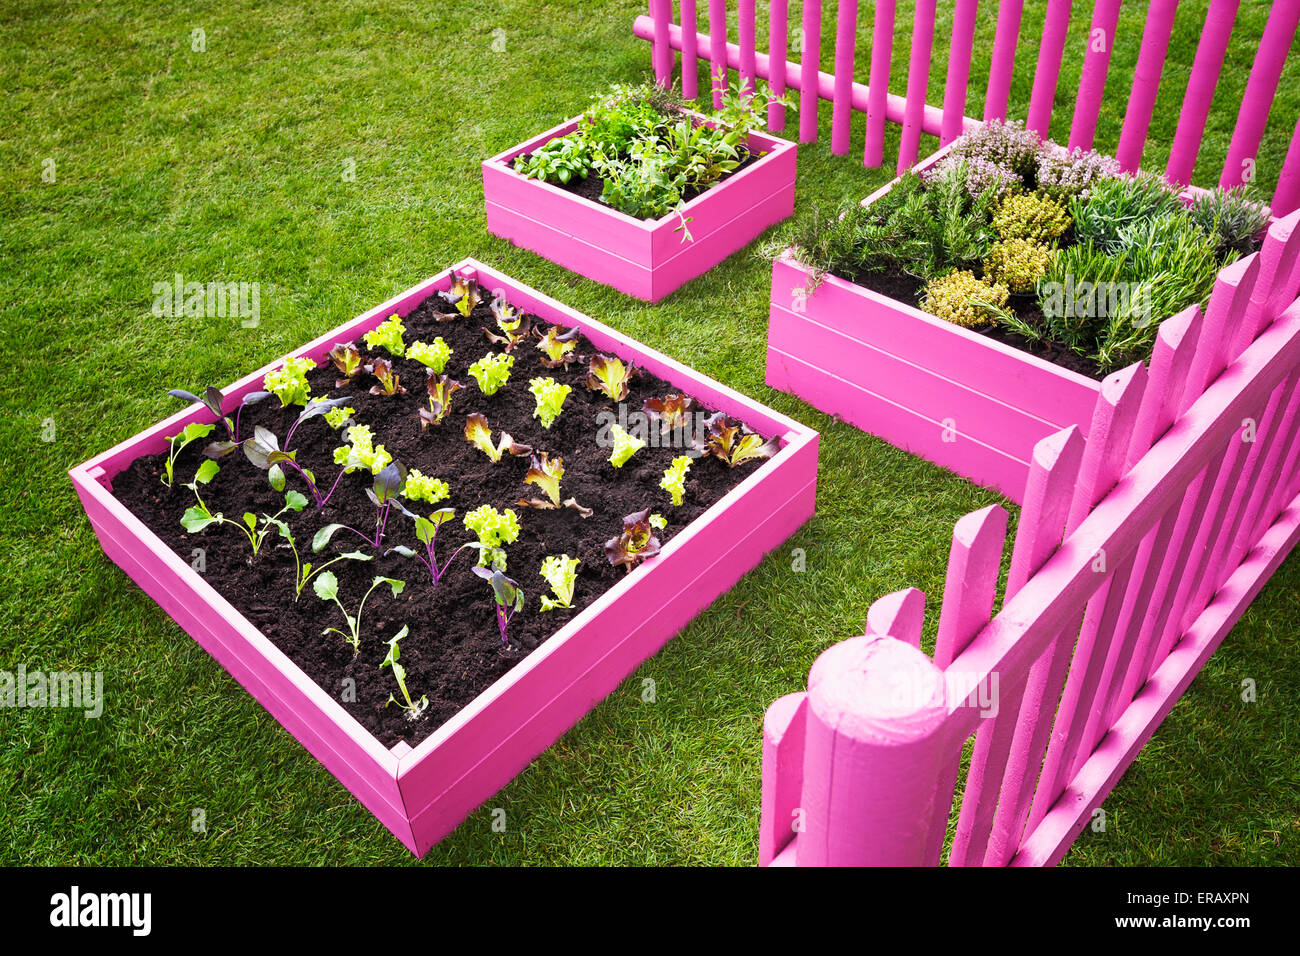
564,159
304,571
1114,206
561,573
289,382
426,532
549,395
347,362
1232,217
625,446
608,375
546,474
212,399
1018,264
479,434
492,371
388,335
413,708
326,587
178,443
441,388
433,355
383,494
389,382
672,412
733,443
558,346
511,323
506,594
636,543
422,487
199,517
359,451
674,479
1030,216
336,418
495,530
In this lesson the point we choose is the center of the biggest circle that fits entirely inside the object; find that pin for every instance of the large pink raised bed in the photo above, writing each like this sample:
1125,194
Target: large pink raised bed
421,794
644,258
947,394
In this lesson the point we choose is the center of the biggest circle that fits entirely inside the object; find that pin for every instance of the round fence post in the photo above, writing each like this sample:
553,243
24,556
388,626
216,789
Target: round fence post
872,755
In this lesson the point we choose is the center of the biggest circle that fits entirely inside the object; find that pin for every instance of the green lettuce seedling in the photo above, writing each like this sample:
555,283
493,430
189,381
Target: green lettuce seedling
495,529
388,336
479,434
177,443
549,395
361,452
199,517
336,418
625,446
327,589
422,487
432,355
561,574
508,596
674,479
413,708
289,382
492,371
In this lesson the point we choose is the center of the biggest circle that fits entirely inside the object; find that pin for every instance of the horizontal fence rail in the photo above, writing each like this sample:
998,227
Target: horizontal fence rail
1135,553
671,33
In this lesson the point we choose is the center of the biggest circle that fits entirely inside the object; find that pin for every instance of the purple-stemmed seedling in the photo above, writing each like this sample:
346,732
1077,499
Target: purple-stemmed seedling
426,530
211,400
266,452
384,495
507,594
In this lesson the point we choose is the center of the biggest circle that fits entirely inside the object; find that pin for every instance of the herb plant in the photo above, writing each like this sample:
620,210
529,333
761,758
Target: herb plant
327,589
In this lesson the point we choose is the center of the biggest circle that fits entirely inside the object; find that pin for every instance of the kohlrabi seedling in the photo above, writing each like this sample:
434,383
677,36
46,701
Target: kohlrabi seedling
479,434
609,376
383,494
558,347
388,336
266,452
549,395
289,382
199,517
211,400
625,446
326,587
636,543
441,388
492,371
674,479
389,382
413,708
433,355
177,444
495,530
561,574
507,594
731,442
546,474
426,532
305,571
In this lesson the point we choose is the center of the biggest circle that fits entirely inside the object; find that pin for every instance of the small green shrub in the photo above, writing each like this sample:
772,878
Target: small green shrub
1233,217
1019,263
964,300
1031,216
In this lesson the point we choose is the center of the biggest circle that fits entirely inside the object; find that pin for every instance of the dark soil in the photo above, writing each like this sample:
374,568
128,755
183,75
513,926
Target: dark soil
592,186
908,288
453,651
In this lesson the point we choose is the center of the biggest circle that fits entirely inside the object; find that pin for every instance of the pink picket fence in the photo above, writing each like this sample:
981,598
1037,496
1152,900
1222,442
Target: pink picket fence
679,32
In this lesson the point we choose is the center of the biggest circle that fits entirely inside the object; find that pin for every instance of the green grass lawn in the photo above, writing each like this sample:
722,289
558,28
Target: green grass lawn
228,164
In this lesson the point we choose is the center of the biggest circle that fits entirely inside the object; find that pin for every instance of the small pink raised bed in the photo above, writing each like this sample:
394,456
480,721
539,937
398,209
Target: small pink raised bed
945,393
421,794
644,258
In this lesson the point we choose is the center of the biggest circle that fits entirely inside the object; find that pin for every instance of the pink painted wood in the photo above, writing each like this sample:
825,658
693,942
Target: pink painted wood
1092,80
959,54
777,31
662,55
420,794
846,34
644,258
717,48
810,70
1002,65
1287,197
1239,167
882,47
918,76
784,729
1048,70
690,53
899,615
1146,82
1206,67
745,34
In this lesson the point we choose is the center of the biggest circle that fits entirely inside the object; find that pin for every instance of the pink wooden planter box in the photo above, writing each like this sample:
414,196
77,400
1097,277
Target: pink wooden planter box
422,794
932,388
644,258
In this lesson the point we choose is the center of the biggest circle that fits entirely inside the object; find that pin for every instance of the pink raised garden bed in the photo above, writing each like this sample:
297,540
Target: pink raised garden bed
421,794
947,394
644,258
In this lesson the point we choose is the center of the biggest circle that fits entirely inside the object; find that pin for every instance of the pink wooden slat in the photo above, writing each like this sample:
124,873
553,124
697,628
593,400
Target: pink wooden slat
1050,49
918,77
809,68
1092,81
1260,89
1108,444
690,54
745,35
778,28
899,615
1277,259
1206,67
1004,59
970,590
661,55
846,33
1042,523
784,727
1258,516
1228,301
717,50
1146,82
1286,198
882,46
959,54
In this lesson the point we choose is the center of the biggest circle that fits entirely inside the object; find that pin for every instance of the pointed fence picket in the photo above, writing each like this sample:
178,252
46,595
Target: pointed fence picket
1134,554
953,28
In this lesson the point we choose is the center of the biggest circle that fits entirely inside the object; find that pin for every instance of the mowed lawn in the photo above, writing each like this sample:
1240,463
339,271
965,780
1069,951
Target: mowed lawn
330,153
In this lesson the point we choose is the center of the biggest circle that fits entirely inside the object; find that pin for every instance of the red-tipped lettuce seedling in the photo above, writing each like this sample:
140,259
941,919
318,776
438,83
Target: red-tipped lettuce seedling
637,542
479,434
